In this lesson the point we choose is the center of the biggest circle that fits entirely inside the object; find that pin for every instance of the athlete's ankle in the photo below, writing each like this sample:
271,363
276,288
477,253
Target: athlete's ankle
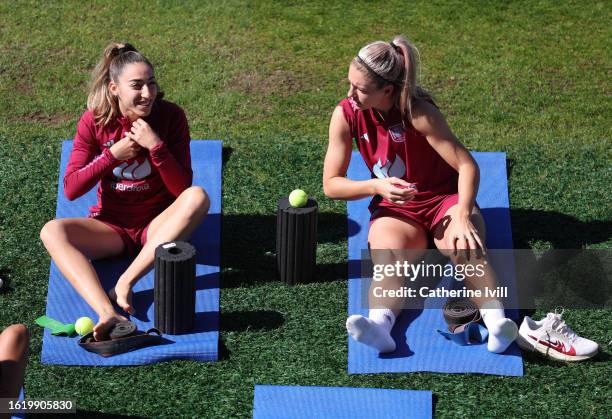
106,312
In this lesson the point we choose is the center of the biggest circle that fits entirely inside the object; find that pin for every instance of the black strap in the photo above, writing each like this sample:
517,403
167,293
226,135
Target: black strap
459,313
124,337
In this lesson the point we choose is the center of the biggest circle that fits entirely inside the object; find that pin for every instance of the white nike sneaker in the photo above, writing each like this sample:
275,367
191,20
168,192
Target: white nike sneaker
553,338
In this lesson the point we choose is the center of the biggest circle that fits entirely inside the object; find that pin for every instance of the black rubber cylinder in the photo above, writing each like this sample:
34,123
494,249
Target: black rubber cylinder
296,241
174,296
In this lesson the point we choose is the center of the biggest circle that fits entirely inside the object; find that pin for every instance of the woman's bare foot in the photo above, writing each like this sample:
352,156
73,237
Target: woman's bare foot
105,324
122,296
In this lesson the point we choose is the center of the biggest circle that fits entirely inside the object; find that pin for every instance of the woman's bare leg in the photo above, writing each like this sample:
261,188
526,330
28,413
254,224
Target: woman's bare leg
177,222
502,331
72,243
444,243
388,237
14,342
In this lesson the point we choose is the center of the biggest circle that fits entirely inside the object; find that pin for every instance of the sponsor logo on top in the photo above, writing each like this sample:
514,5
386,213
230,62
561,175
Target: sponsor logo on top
395,169
135,171
397,133
124,187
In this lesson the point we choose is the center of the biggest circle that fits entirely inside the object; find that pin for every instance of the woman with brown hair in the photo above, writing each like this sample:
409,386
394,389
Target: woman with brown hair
135,146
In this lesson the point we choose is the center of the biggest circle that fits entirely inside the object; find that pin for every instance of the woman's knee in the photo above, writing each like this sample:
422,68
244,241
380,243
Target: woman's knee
196,200
387,235
17,336
390,242
463,256
52,232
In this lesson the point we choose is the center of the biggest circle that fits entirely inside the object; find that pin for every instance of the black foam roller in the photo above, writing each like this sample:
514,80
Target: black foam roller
174,295
296,241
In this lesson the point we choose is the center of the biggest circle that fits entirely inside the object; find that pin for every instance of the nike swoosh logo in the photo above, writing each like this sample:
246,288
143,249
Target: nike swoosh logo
556,345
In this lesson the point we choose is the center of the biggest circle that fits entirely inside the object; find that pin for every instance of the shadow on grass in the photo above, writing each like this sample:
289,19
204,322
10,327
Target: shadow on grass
565,275
224,353
226,154
248,246
241,321
434,402
562,231
266,272
602,356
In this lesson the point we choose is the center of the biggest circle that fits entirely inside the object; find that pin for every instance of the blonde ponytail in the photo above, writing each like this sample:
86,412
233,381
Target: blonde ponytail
395,63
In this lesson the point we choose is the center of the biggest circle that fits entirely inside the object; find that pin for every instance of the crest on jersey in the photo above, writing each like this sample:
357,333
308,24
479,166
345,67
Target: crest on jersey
396,132
395,169
135,171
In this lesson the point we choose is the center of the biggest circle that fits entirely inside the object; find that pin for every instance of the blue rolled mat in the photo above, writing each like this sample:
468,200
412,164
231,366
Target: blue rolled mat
419,346
65,305
292,402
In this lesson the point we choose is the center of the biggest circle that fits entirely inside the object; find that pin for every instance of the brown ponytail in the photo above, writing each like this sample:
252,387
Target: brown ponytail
116,56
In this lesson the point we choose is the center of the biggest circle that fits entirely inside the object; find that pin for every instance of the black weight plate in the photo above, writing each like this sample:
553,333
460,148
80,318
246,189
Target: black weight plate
122,329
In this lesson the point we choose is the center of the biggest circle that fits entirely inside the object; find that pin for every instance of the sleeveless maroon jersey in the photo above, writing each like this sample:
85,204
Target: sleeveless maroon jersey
394,148
131,193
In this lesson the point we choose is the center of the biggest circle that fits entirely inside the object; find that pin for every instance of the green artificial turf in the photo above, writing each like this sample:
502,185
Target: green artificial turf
530,78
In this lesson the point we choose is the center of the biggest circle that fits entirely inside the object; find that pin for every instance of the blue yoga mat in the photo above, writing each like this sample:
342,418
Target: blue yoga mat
65,305
289,402
419,346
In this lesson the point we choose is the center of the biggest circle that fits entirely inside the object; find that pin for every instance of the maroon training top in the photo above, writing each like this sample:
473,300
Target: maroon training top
394,148
133,192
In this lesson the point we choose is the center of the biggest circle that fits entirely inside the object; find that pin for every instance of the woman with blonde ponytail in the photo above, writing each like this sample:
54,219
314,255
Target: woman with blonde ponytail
424,184
134,146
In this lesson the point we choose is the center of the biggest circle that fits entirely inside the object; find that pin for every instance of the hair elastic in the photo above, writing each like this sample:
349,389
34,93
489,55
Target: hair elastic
123,49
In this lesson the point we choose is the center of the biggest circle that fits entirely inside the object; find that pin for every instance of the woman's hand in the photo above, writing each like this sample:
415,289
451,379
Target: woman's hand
125,149
395,190
143,134
465,237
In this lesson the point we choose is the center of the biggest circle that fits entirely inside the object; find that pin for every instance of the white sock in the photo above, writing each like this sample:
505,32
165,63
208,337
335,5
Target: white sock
375,330
382,316
502,331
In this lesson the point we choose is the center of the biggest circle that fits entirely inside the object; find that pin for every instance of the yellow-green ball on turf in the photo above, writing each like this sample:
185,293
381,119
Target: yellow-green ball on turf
298,198
84,325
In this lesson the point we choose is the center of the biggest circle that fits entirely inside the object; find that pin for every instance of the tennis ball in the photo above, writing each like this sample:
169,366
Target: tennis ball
84,325
298,198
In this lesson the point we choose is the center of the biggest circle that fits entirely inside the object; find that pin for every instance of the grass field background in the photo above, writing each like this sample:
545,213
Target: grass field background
530,78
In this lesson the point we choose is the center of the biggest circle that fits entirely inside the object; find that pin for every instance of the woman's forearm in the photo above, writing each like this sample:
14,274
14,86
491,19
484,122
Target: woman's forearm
469,179
339,187
80,177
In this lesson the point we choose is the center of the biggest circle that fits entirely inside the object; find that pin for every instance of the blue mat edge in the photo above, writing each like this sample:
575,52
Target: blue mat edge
422,397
